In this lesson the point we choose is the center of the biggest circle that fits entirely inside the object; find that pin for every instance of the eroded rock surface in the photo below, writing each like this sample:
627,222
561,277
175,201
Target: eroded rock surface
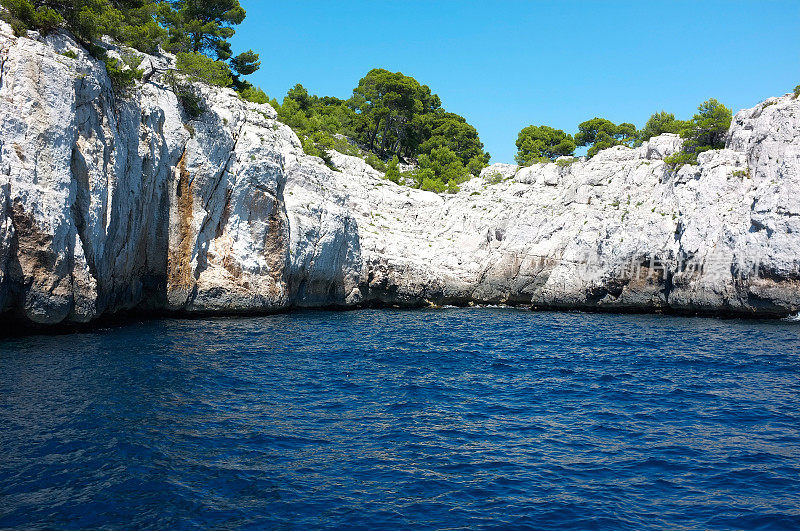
117,202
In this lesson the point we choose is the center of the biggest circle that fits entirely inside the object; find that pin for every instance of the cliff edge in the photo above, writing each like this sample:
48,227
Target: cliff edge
114,203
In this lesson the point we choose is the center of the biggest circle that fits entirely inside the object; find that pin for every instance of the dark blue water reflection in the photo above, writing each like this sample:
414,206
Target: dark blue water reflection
457,417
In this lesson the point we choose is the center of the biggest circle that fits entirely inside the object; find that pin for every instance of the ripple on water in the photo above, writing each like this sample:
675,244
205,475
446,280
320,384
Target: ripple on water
485,417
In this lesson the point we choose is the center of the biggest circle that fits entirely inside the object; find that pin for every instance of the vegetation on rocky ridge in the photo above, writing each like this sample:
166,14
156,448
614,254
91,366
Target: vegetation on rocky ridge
542,143
199,31
389,118
706,130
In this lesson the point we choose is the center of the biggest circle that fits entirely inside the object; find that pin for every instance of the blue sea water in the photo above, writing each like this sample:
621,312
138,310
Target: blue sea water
452,418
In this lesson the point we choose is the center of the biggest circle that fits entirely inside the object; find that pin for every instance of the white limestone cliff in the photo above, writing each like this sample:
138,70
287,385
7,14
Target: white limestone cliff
117,202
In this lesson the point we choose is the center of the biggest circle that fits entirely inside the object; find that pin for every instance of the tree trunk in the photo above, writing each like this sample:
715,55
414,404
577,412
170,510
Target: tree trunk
373,135
385,130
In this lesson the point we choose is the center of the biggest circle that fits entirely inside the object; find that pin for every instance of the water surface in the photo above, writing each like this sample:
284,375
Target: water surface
392,418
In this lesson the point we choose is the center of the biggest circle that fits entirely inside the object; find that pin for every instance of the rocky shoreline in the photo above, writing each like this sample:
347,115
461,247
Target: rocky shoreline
124,205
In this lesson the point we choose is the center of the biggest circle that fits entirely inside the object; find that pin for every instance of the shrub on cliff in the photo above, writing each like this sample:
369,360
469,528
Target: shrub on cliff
705,131
123,73
199,28
392,172
199,67
599,134
445,164
534,142
317,144
254,94
430,183
440,171
375,161
477,163
22,15
660,123
446,129
319,122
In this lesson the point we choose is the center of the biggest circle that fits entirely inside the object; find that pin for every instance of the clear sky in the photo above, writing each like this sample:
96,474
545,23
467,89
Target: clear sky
506,65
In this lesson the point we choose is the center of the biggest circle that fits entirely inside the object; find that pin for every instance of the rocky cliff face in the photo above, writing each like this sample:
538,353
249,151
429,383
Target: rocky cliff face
123,202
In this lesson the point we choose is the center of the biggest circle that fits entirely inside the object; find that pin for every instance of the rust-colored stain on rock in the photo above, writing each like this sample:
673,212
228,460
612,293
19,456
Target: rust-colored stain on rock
180,255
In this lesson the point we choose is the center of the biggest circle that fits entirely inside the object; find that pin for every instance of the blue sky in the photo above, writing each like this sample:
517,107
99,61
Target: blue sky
506,65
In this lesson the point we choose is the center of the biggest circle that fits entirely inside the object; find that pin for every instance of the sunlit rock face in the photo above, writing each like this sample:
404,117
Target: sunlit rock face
115,202
121,201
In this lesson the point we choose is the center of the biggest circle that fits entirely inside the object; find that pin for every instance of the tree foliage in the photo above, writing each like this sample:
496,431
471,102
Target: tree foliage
390,108
705,131
246,63
203,26
446,129
198,31
390,116
392,171
660,123
206,26
140,27
599,134
199,67
131,22
396,115
442,168
254,94
477,163
535,143
321,123
22,15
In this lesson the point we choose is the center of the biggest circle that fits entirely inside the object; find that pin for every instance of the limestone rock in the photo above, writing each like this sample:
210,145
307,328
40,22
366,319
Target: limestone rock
114,202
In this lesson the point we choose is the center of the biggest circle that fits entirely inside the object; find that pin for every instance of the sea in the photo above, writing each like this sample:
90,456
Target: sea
451,418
